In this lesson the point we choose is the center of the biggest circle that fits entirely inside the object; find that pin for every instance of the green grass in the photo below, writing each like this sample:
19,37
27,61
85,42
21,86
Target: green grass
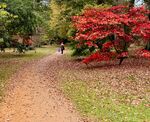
104,108
11,62
29,55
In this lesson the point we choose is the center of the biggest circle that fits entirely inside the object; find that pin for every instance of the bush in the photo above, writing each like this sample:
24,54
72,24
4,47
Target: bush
108,32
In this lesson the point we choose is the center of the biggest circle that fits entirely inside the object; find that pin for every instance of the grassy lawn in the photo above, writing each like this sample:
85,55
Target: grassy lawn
29,55
108,92
11,62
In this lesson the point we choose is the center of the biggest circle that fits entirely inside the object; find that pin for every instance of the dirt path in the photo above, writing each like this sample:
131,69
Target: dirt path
35,96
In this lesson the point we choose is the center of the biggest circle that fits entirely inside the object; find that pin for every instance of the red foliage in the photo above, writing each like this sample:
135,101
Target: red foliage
123,54
28,41
117,25
107,46
100,56
142,30
90,44
143,53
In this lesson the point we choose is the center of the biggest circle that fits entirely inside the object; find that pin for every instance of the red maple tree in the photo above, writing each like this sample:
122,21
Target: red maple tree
111,31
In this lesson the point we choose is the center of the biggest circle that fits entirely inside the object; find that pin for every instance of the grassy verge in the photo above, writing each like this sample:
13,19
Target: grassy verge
11,62
104,108
29,55
109,93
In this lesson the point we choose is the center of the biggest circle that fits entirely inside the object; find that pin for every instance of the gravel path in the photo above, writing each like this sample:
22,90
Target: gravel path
34,95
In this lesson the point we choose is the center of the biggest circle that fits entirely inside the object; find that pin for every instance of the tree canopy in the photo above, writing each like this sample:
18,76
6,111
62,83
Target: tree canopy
22,18
107,33
61,12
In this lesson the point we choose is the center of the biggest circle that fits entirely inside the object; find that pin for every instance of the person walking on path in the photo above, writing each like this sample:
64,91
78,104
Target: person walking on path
62,48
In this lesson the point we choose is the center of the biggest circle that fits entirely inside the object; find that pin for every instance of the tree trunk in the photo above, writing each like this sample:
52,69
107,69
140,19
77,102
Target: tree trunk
147,47
148,44
121,60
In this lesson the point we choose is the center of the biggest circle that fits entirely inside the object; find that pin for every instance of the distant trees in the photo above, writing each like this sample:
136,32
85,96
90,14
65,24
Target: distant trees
61,12
23,18
5,20
26,22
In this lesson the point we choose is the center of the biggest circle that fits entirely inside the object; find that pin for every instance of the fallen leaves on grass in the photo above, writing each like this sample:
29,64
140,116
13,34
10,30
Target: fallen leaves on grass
126,85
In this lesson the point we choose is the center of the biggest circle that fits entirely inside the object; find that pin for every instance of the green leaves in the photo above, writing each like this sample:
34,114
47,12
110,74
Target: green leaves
22,18
25,22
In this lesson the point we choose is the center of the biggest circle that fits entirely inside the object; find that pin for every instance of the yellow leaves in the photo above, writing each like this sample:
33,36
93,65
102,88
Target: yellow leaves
55,13
58,23
3,13
15,16
5,16
101,6
3,5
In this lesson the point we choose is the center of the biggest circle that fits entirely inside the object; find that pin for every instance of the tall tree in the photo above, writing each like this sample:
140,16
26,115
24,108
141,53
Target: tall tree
5,19
29,18
61,12
26,22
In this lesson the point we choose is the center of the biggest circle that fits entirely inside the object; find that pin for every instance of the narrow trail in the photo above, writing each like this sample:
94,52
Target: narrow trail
34,95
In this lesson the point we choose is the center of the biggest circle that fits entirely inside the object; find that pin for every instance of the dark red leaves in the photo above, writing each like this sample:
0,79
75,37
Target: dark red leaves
100,56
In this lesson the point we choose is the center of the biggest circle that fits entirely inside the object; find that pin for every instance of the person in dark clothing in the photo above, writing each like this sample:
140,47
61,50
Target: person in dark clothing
62,48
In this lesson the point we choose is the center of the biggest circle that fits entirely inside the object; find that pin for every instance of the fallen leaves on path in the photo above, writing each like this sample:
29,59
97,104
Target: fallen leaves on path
34,95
